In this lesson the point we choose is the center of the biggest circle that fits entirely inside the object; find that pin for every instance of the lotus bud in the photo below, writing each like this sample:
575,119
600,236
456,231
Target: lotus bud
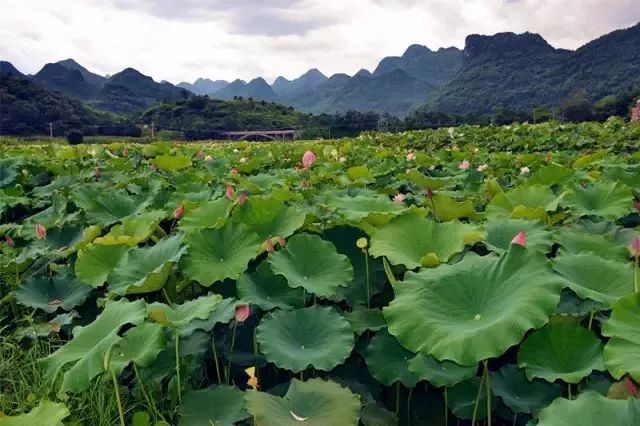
243,160
242,198
482,167
208,158
429,193
520,239
636,205
411,156
308,158
524,170
635,247
97,173
200,155
9,241
399,198
464,165
41,232
230,193
632,388
268,245
362,243
178,212
242,313
125,151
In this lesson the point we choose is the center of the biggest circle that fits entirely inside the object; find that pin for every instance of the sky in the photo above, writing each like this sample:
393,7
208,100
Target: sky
181,40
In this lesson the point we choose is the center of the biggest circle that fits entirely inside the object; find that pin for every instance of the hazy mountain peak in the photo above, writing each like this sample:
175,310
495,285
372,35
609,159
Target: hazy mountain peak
415,50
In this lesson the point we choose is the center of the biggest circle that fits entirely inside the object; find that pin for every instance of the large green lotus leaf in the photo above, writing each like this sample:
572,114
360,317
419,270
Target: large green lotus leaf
269,217
208,214
551,175
375,414
8,171
46,413
179,316
500,232
388,362
561,350
49,294
146,269
96,261
217,254
316,336
133,230
267,290
520,394
139,345
223,313
445,208
593,277
427,181
622,352
591,409
85,353
574,241
106,207
414,241
440,373
315,402
218,405
312,263
524,201
171,162
362,319
475,309
609,200
462,399
358,207
571,304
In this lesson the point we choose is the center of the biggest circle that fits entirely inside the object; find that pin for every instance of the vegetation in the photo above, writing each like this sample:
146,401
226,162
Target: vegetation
471,274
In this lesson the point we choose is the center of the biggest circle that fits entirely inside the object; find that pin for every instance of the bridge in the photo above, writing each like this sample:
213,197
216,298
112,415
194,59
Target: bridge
274,135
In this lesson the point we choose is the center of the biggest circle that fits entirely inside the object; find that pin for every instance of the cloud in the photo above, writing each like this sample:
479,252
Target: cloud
227,39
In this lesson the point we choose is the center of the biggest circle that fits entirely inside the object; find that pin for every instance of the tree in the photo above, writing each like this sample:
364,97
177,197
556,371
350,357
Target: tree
576,107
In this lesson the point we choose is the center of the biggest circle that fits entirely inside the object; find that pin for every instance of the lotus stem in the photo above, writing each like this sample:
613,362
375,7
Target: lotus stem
446,407
302,375
409,407
487,383
233,342
366,270
117,390
398,399
255,353
515,418
475,407
591,318
304,297
143,389
636,287
215,358
178,366
569,391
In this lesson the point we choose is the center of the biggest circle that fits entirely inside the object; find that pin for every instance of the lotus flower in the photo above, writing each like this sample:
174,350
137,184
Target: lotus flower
230,193
520,239
243,160
253,380
482,167
178,212
41,231
399,198
268,245
282,241
242,198
235,150
242,313
632,388
308,158
524,170
208,158
9,241
200,155
464,165
635,247
411,156
125,151
636,205
342,160
234,172
429,193
97,173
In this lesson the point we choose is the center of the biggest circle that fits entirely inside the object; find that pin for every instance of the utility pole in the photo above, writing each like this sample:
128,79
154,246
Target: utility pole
50,130
153,130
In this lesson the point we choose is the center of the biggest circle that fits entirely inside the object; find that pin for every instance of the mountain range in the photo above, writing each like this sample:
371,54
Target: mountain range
501,71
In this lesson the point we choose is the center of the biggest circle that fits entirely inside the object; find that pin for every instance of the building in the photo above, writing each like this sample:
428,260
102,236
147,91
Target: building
635,113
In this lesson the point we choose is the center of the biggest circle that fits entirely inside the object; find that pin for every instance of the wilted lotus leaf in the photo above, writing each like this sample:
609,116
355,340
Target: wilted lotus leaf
622,352
45,413
216,254
414,241
440,373
593,277
591,409
218,405
562,349
388,362
87,350
520,394
475,309
609,200
269,217
316,336
315,402
267,290
312,263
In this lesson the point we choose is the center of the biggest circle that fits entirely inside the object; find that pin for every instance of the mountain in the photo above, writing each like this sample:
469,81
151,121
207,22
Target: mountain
309,79
522,71
7,69
91,78
422,63
68,81
257,89
204,86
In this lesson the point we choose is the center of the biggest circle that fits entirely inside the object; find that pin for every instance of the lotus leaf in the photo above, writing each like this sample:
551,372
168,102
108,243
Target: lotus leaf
46,413
96,261
462,399
269,217
362,319
208,214
440,373
222,314
622,352
520,394
388,362
315,402
561,350
49,294
524,202
139,345
610,200
267,290
217,254
475,309
316,336
133,230
171,162
312,263
573,241
445,208
218,405
108,207
500,232
359,206
591,409
179,316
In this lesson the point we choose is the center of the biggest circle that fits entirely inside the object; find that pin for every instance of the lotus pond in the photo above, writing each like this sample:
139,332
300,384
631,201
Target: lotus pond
450,277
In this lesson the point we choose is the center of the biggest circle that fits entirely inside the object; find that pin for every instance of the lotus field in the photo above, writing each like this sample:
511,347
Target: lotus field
448,277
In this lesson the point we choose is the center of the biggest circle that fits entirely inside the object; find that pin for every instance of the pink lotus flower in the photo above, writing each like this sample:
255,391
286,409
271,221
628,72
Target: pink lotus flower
200,155
282,241
482,167
97,173
520,239
268,245
178,212
9,241
41,231
636,205
429,193
242,313
234,172
125,151
524,170
464,165
399,198
635,247
411,156
632,388
242,198
308,158
230,193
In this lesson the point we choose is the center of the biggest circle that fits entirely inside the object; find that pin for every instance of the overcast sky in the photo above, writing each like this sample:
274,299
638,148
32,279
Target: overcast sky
180,40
